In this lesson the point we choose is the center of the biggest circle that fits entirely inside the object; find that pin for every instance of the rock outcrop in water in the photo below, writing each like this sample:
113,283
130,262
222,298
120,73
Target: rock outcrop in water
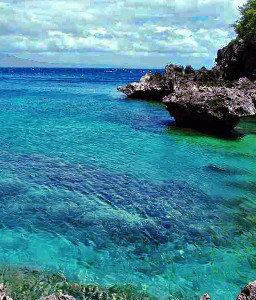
211,108
212,99
151,87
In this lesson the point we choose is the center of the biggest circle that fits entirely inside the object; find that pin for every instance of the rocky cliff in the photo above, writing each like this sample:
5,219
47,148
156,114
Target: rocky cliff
238,59
209,108
212,99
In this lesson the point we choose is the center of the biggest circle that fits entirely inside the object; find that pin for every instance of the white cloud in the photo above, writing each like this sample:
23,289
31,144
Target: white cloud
130,27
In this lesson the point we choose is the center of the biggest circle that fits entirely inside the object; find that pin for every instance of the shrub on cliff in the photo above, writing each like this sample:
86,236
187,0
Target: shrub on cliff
245,27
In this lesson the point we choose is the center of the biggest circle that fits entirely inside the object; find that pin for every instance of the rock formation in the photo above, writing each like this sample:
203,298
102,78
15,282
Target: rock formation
238,60
210,108
212,99
151,87
189,70
248,293
248,86
199,99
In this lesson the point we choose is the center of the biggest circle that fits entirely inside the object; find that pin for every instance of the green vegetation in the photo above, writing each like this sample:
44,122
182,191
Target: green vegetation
245,27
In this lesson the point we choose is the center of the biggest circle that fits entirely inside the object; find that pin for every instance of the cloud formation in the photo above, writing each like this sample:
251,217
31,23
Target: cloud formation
177,30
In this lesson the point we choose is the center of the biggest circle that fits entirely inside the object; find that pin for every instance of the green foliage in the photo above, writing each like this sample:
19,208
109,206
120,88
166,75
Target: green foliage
245,27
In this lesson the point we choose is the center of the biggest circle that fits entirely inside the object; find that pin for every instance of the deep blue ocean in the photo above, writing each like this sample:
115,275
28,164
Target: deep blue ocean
108,191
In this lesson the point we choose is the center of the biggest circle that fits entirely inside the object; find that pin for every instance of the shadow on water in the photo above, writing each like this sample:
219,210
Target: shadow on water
148,101
175,129
248,125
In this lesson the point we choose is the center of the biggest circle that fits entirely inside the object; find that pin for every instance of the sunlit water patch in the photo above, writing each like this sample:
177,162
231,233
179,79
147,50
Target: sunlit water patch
109,192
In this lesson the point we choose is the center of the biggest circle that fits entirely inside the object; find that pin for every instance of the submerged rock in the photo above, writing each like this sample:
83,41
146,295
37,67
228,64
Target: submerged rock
248,292
150,86
211,108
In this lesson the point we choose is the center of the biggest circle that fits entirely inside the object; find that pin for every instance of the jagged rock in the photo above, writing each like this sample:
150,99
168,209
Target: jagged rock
204,99
212,77
155,87
189,70
170,69
247,86
3,295
211,108
152,87
248,293
238,59
205,297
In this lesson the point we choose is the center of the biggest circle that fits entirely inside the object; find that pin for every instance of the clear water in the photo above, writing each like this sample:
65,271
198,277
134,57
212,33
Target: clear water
108,191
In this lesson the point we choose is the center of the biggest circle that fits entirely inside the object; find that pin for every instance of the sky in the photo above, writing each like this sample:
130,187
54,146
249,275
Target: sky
116,33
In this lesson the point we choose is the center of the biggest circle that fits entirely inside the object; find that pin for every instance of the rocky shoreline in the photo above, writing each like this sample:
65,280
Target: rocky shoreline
212,100
247,293
28,284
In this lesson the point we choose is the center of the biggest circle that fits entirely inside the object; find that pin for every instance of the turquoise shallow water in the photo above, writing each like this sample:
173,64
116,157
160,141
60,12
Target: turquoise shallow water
108,191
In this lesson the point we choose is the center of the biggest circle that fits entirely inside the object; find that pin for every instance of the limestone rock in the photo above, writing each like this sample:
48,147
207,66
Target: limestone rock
171,69
248,86
189,70
151,87
212,77
248,293
238,59
210,108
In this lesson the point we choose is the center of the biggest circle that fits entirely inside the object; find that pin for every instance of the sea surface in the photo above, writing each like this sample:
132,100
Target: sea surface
108,191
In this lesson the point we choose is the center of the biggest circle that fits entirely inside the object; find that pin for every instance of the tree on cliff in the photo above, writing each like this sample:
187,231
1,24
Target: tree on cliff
245,27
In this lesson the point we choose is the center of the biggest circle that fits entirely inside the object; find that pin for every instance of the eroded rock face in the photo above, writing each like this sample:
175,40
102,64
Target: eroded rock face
210,108
177,69
248,86
189,70
248,293
151,87
238,59
203,99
